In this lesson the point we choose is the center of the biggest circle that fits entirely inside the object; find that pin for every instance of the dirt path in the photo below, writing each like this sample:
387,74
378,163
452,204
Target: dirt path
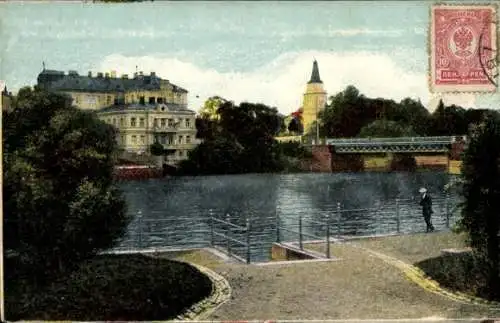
359,286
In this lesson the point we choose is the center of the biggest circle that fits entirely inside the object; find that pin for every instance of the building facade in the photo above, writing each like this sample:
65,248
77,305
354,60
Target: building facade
314,99
144,109
94,92
141,125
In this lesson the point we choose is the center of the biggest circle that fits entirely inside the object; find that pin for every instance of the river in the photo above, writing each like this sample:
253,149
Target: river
175,212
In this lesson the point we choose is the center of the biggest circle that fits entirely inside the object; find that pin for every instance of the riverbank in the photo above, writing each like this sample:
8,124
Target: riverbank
358,286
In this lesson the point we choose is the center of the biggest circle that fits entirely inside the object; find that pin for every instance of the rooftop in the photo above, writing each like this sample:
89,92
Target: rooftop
108,82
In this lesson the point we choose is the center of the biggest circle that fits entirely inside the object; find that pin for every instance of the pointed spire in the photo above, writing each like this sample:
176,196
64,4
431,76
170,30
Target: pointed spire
315,74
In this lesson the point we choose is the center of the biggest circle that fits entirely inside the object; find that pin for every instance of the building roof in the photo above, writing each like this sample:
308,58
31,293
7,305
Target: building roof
170,107
59,81
315,74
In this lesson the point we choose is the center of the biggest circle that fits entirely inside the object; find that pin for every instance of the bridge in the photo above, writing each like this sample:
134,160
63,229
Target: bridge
440,144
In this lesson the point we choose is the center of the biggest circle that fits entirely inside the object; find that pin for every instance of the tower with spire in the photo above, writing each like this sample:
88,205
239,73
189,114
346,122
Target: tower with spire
314,99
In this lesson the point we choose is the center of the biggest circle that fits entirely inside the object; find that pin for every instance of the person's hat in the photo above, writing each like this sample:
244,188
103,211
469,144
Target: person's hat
422,190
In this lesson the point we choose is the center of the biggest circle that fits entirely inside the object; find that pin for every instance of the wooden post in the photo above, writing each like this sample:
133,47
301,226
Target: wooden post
210,212
228,231
397,216
447,210
300,232
338,219
139,227
328,235
248,240
278,238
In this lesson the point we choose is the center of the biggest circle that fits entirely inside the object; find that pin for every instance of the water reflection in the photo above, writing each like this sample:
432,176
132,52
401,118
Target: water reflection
176,211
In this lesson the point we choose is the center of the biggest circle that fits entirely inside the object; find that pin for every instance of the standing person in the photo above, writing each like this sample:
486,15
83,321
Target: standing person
426,203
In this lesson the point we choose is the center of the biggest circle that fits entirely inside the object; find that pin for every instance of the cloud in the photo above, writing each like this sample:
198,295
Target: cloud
282,82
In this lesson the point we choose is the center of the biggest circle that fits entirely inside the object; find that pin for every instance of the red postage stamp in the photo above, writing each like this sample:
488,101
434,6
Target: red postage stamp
463,48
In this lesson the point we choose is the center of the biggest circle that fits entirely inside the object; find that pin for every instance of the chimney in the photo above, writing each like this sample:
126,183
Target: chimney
107,75
113,74
153,74
125,76
90,74
99,74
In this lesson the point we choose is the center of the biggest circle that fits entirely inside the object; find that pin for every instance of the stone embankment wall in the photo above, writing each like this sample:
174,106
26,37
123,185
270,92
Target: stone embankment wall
325,160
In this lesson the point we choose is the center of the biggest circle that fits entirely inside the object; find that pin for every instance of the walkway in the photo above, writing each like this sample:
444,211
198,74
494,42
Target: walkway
360,286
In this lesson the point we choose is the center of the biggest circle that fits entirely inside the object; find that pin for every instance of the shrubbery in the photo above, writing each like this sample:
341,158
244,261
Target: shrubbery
60,204
481,194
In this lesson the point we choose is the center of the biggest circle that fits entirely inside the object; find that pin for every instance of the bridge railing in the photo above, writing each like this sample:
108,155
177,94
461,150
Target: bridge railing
392,141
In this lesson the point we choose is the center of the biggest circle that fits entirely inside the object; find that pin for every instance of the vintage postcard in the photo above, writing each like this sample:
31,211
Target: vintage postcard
245,161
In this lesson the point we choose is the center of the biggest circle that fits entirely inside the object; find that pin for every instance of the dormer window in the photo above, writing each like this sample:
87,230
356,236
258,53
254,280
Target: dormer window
151,100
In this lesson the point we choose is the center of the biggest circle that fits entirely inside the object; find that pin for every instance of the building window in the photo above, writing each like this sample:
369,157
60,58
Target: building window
122,122
170,139
134,139
114,121
170,122
143,139
188,139
141,122
141,100
180,140
108,100
133,122
163,122
123,140
155,122
152,100
188,123
181,153
163,140
160,100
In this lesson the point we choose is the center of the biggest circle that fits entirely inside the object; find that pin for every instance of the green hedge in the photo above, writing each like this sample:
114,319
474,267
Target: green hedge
110,287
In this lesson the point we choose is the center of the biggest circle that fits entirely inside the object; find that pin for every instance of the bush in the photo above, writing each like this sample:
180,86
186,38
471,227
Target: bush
111,287
60,204
481,195
460,272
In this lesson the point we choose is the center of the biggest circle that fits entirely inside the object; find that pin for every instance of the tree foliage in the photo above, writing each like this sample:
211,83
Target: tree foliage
386,129
240,141
349,111
481,193
60,204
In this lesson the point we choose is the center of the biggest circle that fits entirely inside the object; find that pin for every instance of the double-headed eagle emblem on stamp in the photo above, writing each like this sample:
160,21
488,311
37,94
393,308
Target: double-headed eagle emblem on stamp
463,48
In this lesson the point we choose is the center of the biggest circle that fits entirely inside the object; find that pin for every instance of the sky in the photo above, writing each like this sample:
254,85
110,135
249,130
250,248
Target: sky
243,51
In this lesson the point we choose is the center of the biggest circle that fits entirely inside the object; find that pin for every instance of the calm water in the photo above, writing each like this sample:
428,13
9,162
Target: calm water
175,212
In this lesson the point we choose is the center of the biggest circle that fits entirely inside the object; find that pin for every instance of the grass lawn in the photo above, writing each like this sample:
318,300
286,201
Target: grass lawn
109,287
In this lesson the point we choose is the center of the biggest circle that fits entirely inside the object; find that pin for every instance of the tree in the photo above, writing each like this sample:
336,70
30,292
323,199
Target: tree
481,193
448,121
211,107
385,128
60,203
241,141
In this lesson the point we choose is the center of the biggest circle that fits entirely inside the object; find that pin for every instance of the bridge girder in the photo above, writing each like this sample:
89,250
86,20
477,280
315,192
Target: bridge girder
344,149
